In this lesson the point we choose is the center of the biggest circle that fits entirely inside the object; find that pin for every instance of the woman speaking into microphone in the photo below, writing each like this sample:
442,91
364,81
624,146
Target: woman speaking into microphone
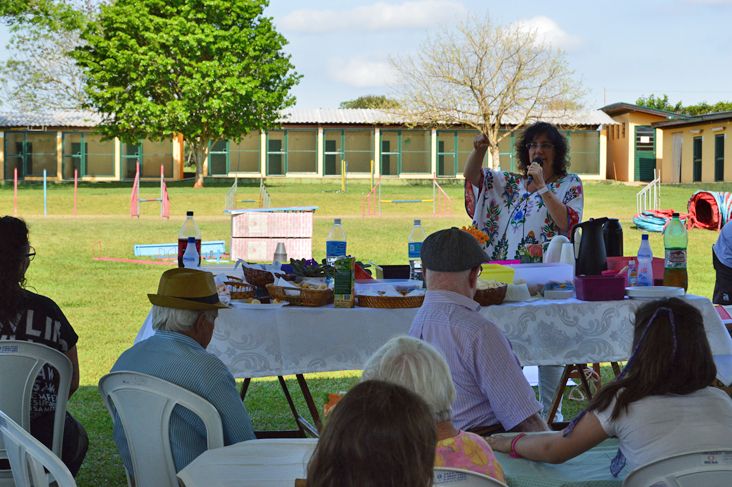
517,211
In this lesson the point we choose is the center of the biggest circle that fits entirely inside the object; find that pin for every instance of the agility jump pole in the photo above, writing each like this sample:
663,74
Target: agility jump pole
135,199
15,191
76,188
45,195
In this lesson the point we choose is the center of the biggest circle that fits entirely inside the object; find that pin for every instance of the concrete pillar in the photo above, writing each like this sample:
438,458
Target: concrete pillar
377,152
59,156
117,159
263,154
433,151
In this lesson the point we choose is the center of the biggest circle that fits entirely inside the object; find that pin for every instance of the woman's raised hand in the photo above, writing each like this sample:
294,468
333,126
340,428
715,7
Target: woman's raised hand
480,143
536,172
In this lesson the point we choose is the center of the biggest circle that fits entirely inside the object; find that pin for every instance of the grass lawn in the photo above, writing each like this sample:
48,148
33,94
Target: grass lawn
106,302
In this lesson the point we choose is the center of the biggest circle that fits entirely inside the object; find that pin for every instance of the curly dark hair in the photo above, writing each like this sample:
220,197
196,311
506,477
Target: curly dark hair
13,248
561,159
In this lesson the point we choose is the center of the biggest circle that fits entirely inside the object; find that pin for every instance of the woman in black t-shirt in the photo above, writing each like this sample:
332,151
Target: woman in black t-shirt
31,317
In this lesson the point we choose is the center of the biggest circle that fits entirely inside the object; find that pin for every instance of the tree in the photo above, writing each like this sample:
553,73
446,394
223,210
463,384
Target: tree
370,101
662,103
207,69
39,74
659,103
485,77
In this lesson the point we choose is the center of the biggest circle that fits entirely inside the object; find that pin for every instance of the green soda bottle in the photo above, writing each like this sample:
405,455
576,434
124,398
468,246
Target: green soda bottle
675,240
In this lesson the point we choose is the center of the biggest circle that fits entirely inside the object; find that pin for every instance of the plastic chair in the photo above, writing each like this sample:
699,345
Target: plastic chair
29,457
707,468
20,363
143,404
458,477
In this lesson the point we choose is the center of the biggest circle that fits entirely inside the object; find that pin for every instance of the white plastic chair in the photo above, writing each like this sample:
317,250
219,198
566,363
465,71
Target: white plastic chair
29,457
699,468
144,404
458,477
20,363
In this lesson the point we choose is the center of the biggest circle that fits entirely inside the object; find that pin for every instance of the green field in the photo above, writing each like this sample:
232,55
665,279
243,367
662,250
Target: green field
106,302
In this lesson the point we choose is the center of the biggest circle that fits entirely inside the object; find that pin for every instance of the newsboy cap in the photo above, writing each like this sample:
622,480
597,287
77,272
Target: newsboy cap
451,250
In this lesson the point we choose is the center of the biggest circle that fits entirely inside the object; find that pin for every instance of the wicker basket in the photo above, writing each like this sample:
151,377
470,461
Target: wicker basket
301,297
239,289
257,277
390,301
491,296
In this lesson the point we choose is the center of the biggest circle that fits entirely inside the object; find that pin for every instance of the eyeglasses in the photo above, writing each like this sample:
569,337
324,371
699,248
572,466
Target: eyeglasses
544,146
31,253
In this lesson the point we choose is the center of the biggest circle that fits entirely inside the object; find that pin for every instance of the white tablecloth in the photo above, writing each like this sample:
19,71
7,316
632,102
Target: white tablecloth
290,340
277,463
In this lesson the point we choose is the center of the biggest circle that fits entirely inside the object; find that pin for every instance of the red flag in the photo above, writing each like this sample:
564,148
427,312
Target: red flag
166,202
134,201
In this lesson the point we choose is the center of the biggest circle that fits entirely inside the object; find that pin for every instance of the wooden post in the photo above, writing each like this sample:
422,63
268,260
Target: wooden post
76,187
15,191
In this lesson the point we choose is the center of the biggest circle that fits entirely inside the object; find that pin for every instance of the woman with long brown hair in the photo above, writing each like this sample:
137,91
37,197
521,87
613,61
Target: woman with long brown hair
661,405
28,316
379,434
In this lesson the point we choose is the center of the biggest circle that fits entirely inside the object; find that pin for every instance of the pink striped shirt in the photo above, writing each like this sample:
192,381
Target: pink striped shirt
490,386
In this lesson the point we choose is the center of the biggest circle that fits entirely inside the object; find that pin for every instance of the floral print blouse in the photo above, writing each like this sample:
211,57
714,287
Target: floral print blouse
470,452
513,218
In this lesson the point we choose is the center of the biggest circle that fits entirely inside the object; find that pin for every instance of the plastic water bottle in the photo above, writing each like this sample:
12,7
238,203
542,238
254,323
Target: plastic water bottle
675,241
191,258
335,242
416,237
645,262
189,229
632,272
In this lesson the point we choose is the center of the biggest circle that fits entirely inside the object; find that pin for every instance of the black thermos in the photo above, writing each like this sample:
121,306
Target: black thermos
612,233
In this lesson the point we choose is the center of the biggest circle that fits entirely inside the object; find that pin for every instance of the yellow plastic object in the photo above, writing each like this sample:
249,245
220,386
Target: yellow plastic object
497,272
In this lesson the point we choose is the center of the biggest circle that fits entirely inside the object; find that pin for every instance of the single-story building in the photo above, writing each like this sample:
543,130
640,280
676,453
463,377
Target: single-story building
309,144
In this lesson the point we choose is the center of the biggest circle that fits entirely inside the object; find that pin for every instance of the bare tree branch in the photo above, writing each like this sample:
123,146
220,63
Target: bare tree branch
494,79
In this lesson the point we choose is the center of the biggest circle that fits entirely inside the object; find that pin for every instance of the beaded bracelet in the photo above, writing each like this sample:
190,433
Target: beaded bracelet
513,453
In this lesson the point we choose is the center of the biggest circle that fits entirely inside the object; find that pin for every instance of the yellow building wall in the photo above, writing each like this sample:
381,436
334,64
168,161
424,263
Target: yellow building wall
621,145
708,132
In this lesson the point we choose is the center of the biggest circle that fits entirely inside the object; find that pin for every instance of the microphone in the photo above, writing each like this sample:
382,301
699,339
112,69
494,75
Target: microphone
540,162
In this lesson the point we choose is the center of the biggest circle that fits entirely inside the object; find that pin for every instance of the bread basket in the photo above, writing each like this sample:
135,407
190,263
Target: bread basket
301,297
390,301
239,289
491,296
257,277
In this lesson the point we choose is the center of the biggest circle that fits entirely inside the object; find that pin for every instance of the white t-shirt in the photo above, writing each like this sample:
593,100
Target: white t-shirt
659,426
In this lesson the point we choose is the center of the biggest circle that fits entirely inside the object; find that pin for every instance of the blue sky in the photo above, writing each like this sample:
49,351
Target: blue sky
619,49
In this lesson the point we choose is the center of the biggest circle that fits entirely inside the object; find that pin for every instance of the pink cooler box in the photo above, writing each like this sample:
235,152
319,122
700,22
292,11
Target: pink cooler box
600,288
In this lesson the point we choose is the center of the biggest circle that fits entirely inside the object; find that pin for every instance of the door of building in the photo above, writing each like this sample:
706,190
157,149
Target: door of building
645,152
719,157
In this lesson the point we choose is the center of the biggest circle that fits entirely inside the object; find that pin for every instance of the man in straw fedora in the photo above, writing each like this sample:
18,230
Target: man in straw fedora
183,315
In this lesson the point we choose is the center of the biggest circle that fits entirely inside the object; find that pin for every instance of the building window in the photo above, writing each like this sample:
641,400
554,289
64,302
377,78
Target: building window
719,157
697,158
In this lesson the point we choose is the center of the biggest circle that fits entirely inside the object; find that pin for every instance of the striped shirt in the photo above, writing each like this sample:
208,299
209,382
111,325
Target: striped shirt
489,384
181,360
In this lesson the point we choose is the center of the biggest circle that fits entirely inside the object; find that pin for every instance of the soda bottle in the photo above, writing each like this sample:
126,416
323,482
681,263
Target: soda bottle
415,239
675,241
335,242
645,262
191,257
189,229
632,273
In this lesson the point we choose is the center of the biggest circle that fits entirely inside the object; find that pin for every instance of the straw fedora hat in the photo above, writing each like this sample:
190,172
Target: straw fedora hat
183,288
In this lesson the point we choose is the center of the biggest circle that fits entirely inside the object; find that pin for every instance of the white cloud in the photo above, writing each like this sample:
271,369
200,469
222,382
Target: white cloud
362,73
412,14
547,30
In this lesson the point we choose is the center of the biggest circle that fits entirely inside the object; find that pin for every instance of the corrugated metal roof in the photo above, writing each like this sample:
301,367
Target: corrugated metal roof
322,116
706,118
622,107
64,118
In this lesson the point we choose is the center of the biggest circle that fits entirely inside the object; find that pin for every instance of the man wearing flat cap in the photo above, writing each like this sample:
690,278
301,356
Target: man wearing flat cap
183,315
491,391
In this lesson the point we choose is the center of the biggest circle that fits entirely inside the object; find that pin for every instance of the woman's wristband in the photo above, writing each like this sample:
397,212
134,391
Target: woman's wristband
513,453
543,190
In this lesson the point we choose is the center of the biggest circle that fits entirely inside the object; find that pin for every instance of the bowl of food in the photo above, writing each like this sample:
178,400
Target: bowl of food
490,292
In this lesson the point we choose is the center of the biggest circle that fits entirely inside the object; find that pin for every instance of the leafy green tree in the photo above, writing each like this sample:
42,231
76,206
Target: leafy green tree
56,14
371,101
207,69
659,103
